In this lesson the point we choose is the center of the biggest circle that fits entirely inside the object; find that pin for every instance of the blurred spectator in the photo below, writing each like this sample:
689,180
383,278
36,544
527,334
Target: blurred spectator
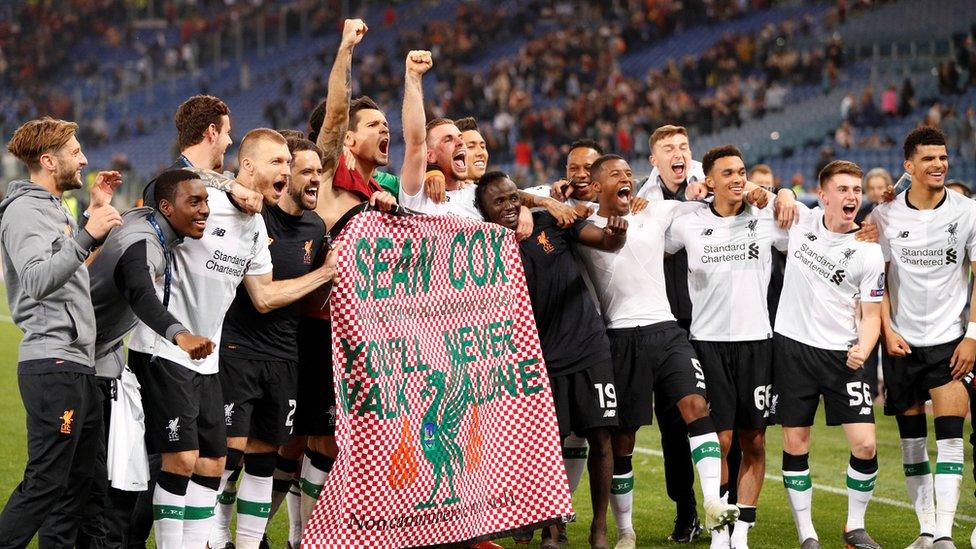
889,101
906,100
826,157
959,187
847,107
955,130
844,136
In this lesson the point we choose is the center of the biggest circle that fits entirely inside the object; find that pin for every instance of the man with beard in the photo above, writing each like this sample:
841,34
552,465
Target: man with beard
48,290
445,149
729,257
185,421
649,349
575,189
929,241
574,343
827,322
259,351
676,177
475,158
354,138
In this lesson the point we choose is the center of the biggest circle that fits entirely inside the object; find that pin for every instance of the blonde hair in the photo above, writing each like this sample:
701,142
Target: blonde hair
255,136
38,137
760,168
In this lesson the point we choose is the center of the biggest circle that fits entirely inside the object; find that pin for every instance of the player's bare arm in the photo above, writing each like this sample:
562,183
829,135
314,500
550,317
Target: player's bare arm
610,238
565,214
867,334
414,133
965,353
894,343
340,95
268,294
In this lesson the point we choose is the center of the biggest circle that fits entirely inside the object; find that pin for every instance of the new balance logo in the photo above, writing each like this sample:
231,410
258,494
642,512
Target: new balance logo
903,234
609,413
951,255
811,237
707,232
865,410
839,276
219,232
753,251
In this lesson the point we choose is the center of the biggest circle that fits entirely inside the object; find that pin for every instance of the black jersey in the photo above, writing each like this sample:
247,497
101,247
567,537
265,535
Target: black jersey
572,334
294,243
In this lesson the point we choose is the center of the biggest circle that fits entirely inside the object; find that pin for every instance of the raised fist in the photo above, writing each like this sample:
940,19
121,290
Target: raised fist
419,62
353,31
616,225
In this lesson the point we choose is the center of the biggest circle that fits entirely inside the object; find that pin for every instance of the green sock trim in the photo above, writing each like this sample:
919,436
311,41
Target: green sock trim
171,512
311,490
622,485
798,483
917,469
574,453
706,450
227,498
260,509
198,513
861,485
948,468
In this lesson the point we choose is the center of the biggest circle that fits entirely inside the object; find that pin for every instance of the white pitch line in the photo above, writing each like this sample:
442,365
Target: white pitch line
830,489
6,318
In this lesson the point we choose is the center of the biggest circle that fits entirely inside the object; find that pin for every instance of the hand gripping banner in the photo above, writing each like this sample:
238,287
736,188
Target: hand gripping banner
445,422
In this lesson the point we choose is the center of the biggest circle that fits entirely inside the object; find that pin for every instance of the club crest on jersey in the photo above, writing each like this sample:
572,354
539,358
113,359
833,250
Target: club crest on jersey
952,228
308,252
752,228
848,253
544,242
66,420
174,429
228,413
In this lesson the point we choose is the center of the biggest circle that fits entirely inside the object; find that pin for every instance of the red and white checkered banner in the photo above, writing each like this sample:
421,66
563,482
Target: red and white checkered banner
446,427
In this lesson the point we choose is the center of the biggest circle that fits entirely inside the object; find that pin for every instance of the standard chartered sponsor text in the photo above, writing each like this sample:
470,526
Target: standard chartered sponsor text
224,263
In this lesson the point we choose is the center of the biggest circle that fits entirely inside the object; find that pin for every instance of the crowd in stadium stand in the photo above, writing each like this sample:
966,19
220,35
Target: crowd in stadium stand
560,84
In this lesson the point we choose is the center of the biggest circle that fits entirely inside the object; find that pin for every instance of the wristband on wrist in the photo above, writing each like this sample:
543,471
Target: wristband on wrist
971,331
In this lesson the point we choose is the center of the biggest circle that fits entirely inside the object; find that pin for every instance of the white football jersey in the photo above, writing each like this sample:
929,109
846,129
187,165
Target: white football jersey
827,275
629,283
928,254
460,202
206,274
729,264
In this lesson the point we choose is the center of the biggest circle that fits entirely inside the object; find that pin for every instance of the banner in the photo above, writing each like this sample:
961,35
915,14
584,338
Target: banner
446,427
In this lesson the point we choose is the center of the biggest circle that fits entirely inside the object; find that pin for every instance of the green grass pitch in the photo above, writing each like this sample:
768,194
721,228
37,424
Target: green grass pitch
889,520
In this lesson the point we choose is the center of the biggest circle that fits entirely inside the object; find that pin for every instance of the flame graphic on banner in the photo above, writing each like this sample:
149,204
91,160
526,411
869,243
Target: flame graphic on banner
403,462
472,450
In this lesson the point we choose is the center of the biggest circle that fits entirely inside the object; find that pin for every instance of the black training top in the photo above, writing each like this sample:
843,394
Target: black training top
294,243
571,331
